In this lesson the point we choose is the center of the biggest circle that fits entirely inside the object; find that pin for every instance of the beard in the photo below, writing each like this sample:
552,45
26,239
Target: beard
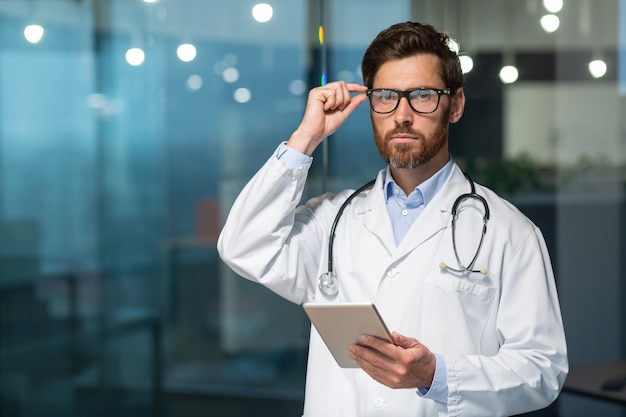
411,155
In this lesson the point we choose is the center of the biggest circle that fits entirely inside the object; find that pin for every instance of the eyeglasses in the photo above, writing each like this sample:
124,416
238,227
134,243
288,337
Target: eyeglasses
421,100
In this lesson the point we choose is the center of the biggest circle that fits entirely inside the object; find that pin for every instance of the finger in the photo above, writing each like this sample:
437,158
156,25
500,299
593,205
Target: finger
356,88
340,100
333,100
376,365
355,102
329,98
343,95
380,346
369,359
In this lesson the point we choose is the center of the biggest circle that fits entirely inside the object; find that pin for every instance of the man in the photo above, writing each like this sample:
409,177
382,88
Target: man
484,338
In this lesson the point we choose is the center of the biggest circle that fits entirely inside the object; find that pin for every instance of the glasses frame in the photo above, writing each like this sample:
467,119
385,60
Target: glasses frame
406,94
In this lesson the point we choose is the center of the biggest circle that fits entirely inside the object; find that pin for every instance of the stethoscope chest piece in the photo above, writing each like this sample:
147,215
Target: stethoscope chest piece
327,283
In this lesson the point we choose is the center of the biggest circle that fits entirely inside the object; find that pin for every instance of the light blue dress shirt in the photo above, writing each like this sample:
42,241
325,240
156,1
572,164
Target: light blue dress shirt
403,210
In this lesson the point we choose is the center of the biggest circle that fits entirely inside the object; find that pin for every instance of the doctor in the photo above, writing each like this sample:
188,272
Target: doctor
477,321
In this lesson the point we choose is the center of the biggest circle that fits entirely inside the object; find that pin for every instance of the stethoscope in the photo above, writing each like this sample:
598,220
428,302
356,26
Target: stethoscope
327,282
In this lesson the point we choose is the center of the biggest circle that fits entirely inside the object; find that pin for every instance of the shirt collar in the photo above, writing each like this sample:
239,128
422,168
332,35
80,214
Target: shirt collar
428,188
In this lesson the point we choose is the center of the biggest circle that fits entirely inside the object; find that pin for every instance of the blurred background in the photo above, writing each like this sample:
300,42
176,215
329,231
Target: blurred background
128,127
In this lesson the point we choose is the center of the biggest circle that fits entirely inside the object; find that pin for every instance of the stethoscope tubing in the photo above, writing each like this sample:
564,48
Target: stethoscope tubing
329,285
331,238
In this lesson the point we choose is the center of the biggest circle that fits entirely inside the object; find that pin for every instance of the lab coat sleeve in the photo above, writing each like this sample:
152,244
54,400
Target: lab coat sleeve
531,365
268,239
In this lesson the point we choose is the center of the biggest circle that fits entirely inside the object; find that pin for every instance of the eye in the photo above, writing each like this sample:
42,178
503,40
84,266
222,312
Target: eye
421,94
387,95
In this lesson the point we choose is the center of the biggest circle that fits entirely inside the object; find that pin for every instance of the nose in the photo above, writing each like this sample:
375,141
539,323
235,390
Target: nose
404,113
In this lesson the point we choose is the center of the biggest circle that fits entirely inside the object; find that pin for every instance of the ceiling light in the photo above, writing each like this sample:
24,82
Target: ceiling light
550,23
262,12
597,68
467,63
509,74
454,46
553,6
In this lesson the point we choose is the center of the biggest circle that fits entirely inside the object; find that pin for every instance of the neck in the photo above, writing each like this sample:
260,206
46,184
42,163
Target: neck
410,178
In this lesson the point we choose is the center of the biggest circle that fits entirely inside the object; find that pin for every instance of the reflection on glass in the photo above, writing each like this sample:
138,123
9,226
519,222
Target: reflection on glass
230,75
33,33
242,95
297,87
194,82
135,56
186,52
262,12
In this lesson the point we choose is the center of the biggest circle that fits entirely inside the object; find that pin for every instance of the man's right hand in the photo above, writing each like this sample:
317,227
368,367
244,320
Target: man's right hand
327,108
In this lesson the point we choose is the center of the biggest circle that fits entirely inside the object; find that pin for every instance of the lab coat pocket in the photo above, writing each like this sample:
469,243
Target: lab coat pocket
464,304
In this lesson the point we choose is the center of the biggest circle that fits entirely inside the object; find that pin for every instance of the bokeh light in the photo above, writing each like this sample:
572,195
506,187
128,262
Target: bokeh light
509,74
186,52
262,12
135,56
242,95
33,33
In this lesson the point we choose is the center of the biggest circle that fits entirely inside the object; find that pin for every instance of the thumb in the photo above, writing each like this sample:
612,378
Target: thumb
354,103
403,341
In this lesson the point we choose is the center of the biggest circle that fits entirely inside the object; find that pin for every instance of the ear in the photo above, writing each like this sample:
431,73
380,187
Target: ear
457,105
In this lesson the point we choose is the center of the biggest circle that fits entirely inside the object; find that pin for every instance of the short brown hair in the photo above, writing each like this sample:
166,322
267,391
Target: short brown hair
407,39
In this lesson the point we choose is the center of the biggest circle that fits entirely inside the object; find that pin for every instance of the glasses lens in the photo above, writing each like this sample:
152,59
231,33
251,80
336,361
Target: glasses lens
424,100
383,100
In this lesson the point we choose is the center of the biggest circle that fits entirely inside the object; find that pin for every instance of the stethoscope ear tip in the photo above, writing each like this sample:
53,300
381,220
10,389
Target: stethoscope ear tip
443,266
484,271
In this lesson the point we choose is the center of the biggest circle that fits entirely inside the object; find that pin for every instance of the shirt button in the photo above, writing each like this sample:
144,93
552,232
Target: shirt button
405,212
392,272
378,402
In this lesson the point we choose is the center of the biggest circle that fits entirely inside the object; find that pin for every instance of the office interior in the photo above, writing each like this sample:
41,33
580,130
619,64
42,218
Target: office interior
127,128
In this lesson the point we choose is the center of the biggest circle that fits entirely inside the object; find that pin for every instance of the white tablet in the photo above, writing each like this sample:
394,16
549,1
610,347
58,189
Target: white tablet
341,324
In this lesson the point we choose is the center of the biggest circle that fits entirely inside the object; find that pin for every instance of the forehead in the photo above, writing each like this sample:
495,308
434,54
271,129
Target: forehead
415,71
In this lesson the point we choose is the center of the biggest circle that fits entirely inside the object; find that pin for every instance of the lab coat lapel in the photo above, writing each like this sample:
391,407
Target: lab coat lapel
435,217
377,218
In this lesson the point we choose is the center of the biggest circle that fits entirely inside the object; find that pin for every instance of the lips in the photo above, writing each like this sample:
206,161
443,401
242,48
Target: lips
402,136
402,139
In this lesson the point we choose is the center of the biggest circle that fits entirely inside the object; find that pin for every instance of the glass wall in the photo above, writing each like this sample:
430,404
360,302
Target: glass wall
128,127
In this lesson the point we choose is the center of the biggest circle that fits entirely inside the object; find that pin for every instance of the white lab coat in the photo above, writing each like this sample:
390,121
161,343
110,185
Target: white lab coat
501,334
